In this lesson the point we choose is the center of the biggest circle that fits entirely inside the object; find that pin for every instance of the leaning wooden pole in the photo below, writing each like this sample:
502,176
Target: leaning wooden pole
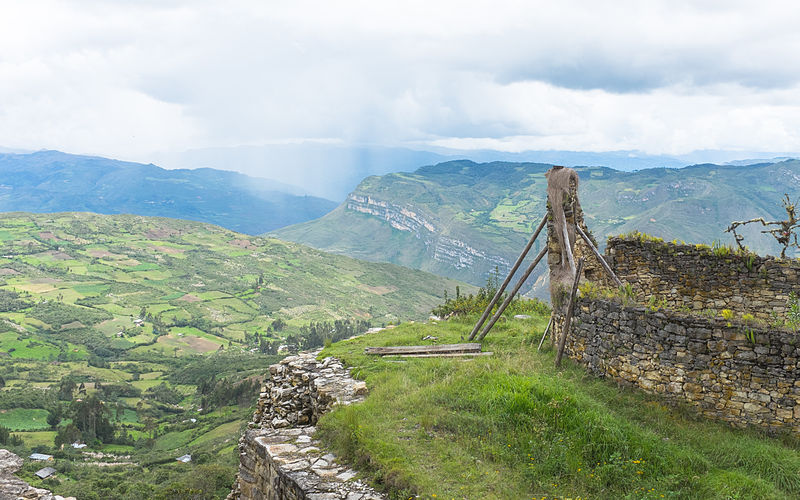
570,308
510,297
567,247
598,255
505,283
544,335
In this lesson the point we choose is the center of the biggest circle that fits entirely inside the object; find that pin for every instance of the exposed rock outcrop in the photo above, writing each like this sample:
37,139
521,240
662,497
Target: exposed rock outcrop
443,248
14,488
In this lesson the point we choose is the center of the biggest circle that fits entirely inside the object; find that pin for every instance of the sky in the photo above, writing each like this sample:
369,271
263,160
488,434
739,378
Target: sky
131,78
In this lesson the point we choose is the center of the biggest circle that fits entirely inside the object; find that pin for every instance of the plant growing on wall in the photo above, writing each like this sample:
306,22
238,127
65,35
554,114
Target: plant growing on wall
793,312
783,232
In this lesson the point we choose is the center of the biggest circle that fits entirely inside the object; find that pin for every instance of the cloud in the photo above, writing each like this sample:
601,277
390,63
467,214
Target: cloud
127,78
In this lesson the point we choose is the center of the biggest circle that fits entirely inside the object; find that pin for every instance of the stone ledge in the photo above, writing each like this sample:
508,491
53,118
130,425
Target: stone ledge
279,458
295,465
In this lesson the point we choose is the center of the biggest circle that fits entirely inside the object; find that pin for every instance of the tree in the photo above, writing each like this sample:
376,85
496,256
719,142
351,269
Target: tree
54,416
90,416
67,435
784,233
66,388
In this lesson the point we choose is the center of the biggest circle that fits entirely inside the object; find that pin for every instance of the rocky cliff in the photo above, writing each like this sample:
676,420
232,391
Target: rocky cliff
442,248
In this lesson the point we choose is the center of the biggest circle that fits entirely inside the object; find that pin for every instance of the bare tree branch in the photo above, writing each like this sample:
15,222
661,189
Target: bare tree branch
784,233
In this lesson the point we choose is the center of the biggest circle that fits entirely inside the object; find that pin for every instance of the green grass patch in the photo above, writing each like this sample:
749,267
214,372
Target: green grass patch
91,288
229,430
144,266
37,438
29,348
24,419
512,426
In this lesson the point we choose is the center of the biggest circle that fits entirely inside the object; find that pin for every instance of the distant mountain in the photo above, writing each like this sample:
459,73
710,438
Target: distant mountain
52,181
333,170
327,170
461,219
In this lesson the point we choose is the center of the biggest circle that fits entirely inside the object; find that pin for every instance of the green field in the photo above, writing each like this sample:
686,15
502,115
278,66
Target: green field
24,419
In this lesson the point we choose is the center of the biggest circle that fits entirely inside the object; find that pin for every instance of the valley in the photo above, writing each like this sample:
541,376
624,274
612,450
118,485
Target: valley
162,331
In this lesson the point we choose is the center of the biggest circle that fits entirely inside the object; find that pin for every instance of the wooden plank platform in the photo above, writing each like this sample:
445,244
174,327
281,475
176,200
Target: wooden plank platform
447,355
425,349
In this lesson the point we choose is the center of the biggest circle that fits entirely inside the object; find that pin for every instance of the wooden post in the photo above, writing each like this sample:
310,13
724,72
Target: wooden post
568,319
544,335
567,246
598,255
514,268
511,295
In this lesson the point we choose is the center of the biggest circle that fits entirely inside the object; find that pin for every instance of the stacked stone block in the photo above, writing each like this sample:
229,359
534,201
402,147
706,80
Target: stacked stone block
279,455
730,371
695,277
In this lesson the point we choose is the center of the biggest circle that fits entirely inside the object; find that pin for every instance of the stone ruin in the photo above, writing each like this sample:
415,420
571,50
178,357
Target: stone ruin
279,456
700,326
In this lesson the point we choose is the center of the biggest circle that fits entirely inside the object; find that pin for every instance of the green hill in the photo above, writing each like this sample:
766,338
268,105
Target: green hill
171,325
461,219
52,181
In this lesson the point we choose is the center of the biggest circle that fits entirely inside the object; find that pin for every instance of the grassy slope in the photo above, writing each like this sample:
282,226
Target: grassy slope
494,207
184,269
511,426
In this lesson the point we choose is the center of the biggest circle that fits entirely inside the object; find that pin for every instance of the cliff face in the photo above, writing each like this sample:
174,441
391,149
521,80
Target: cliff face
279,456
441,248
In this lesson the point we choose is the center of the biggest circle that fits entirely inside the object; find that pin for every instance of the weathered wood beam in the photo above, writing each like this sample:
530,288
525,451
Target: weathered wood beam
567,246
503,286
544,335
424,349
447,355
510,297
570,308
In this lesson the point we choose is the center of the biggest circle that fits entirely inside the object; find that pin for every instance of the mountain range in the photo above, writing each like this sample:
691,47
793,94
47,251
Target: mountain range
332,170
463,219
52,181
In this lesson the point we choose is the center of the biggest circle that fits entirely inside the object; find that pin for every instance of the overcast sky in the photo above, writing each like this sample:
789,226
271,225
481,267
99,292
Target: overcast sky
128,78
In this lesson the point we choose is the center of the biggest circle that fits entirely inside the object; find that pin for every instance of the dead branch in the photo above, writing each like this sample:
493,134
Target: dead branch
784,234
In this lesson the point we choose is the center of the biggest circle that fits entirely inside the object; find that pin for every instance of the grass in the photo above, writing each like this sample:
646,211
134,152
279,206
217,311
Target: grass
27,348
24,419
38,438
511,426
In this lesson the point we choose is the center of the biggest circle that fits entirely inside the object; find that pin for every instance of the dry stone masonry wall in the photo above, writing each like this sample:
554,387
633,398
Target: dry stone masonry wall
729,371
732,368
695,277
280,458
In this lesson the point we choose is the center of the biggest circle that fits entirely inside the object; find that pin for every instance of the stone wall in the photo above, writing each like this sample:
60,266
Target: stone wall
279,456
728,370
695,277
